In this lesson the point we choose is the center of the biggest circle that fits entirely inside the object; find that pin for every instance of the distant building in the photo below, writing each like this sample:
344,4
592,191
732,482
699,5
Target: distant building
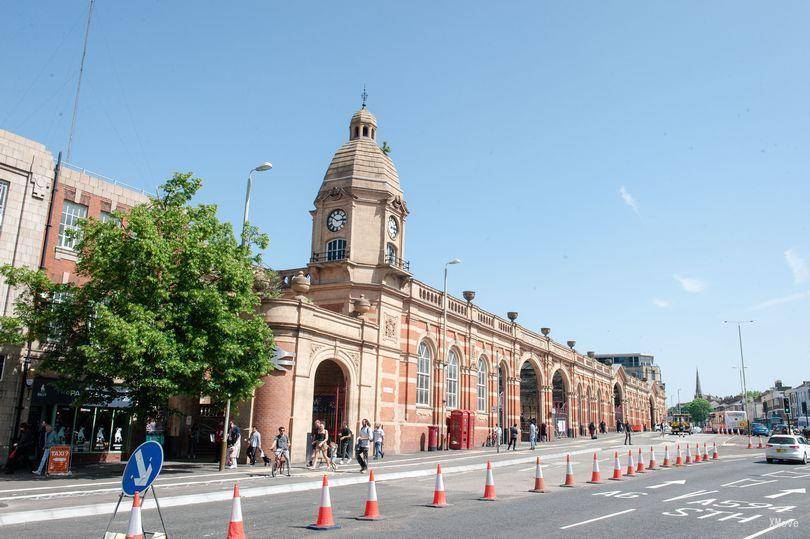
641,366
800,402
773,402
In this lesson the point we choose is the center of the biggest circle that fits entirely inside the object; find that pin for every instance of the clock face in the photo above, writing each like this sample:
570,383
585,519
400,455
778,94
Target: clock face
336,220
393,227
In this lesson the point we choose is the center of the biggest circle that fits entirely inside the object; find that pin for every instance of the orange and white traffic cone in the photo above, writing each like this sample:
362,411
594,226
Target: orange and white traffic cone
653,463
372,508
705,453
640,465
679,459
715,456
617,467
750,445
569,473
236,529
631,466
325,519
439,499
666,463
759,442
489,486
539,481
135,528
697,459
596,475
688,454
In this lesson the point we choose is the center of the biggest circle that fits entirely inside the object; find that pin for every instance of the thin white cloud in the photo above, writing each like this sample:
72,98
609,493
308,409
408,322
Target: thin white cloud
798,266
661,303
781,301
691,285
628,199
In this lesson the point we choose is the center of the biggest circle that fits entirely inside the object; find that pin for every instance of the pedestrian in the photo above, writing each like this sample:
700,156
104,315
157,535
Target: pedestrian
379,438
234,441
627,437
602,427
254,445
543,432
345,441
193,438
662,429
513,436
497,433
592,430
20,456
50,441
361,448
533,433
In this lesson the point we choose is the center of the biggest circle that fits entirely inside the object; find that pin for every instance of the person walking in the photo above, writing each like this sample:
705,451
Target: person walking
533,433
662,429
379,438
628,440
602,427
497,433
21,452
254,445
345,444
234,442
193,438
50,441
513,436
543,432
361,450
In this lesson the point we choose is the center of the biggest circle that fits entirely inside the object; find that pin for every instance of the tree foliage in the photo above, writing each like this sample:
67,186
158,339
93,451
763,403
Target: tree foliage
699,410
167,306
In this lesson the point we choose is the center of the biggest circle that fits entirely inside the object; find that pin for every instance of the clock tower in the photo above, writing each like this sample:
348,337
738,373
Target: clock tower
358,224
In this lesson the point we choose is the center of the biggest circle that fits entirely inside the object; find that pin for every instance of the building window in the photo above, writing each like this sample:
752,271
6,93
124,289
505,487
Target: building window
390,253
3,197
69,225
423,365
452,380
365,130
336,250
356,132
482,385
106,217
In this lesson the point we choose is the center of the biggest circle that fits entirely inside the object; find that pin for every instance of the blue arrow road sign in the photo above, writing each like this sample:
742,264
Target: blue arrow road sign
142,468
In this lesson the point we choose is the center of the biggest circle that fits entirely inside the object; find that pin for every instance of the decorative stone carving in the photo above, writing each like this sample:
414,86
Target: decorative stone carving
398,204
362,305
39,186
335,193
390,328
300,284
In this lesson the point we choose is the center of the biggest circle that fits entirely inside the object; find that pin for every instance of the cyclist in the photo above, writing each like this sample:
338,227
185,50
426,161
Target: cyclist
281,448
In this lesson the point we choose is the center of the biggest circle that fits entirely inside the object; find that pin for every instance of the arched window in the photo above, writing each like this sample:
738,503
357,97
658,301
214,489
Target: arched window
336,249
356,132
365,130
482,385
423,365
452,380
390,253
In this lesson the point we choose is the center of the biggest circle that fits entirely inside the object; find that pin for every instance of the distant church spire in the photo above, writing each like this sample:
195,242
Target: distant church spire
698,391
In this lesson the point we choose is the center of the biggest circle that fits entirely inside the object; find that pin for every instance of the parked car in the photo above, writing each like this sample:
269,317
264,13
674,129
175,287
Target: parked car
695,430
787,447
760,429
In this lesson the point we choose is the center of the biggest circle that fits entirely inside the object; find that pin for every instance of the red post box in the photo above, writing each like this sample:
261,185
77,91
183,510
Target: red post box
433,437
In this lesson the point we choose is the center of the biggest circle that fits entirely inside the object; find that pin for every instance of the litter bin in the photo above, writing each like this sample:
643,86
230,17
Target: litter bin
433,437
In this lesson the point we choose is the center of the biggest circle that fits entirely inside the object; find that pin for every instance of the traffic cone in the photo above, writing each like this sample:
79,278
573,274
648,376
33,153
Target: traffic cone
596,475
666,463
750,445
705,453
236,529
640,466
631,467
325,520
135,529
489,485
539,481
697,458
617,467
653,463
439,499
759,444
679,459
372,509
569,473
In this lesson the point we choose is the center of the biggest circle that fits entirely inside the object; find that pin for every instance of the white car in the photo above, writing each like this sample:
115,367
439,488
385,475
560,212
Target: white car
695,430
787,447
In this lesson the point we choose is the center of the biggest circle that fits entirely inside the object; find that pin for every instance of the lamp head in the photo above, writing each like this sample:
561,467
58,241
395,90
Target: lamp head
264,166
454,261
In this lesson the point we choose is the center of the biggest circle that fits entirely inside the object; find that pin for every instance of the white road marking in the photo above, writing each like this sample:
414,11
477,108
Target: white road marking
664,484
786,492
597,518
766,530
691,495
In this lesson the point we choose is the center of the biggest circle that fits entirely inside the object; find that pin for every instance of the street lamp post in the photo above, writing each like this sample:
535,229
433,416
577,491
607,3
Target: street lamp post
261,168
444,345
679,402
742,365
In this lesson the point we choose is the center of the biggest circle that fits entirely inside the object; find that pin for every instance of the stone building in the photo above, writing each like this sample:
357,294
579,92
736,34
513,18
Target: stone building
371,341
28,202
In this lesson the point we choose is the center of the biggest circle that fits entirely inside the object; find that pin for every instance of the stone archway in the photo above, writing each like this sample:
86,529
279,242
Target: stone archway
560,412
618,405
530,398
503,377
329,395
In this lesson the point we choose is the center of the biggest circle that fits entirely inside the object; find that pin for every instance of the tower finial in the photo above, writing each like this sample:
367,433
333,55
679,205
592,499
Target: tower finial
364,95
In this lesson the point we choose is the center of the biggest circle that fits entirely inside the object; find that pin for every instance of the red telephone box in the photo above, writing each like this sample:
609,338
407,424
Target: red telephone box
457,431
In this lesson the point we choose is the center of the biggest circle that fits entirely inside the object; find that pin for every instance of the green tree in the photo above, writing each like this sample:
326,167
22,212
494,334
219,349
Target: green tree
698,410
167,306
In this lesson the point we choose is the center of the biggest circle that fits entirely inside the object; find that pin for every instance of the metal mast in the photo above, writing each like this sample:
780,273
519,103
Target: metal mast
79,84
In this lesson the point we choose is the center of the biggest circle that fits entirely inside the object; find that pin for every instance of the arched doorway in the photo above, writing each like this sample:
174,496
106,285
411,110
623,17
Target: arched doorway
329,397
618,408
599,405
502,376
652,413
589,402
529,399
559,401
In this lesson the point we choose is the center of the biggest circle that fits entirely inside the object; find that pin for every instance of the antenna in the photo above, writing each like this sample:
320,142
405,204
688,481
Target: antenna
364,95
79,84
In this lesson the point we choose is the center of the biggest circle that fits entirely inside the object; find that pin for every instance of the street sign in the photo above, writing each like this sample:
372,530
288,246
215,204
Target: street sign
59,460
142,468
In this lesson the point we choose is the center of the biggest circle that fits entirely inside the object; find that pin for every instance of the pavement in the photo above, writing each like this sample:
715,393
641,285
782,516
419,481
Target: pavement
737,496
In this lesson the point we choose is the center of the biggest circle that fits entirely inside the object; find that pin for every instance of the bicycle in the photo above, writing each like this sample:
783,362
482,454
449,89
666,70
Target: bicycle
279,461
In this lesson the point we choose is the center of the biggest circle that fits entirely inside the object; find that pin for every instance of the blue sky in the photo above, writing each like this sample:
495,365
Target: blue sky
628,173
